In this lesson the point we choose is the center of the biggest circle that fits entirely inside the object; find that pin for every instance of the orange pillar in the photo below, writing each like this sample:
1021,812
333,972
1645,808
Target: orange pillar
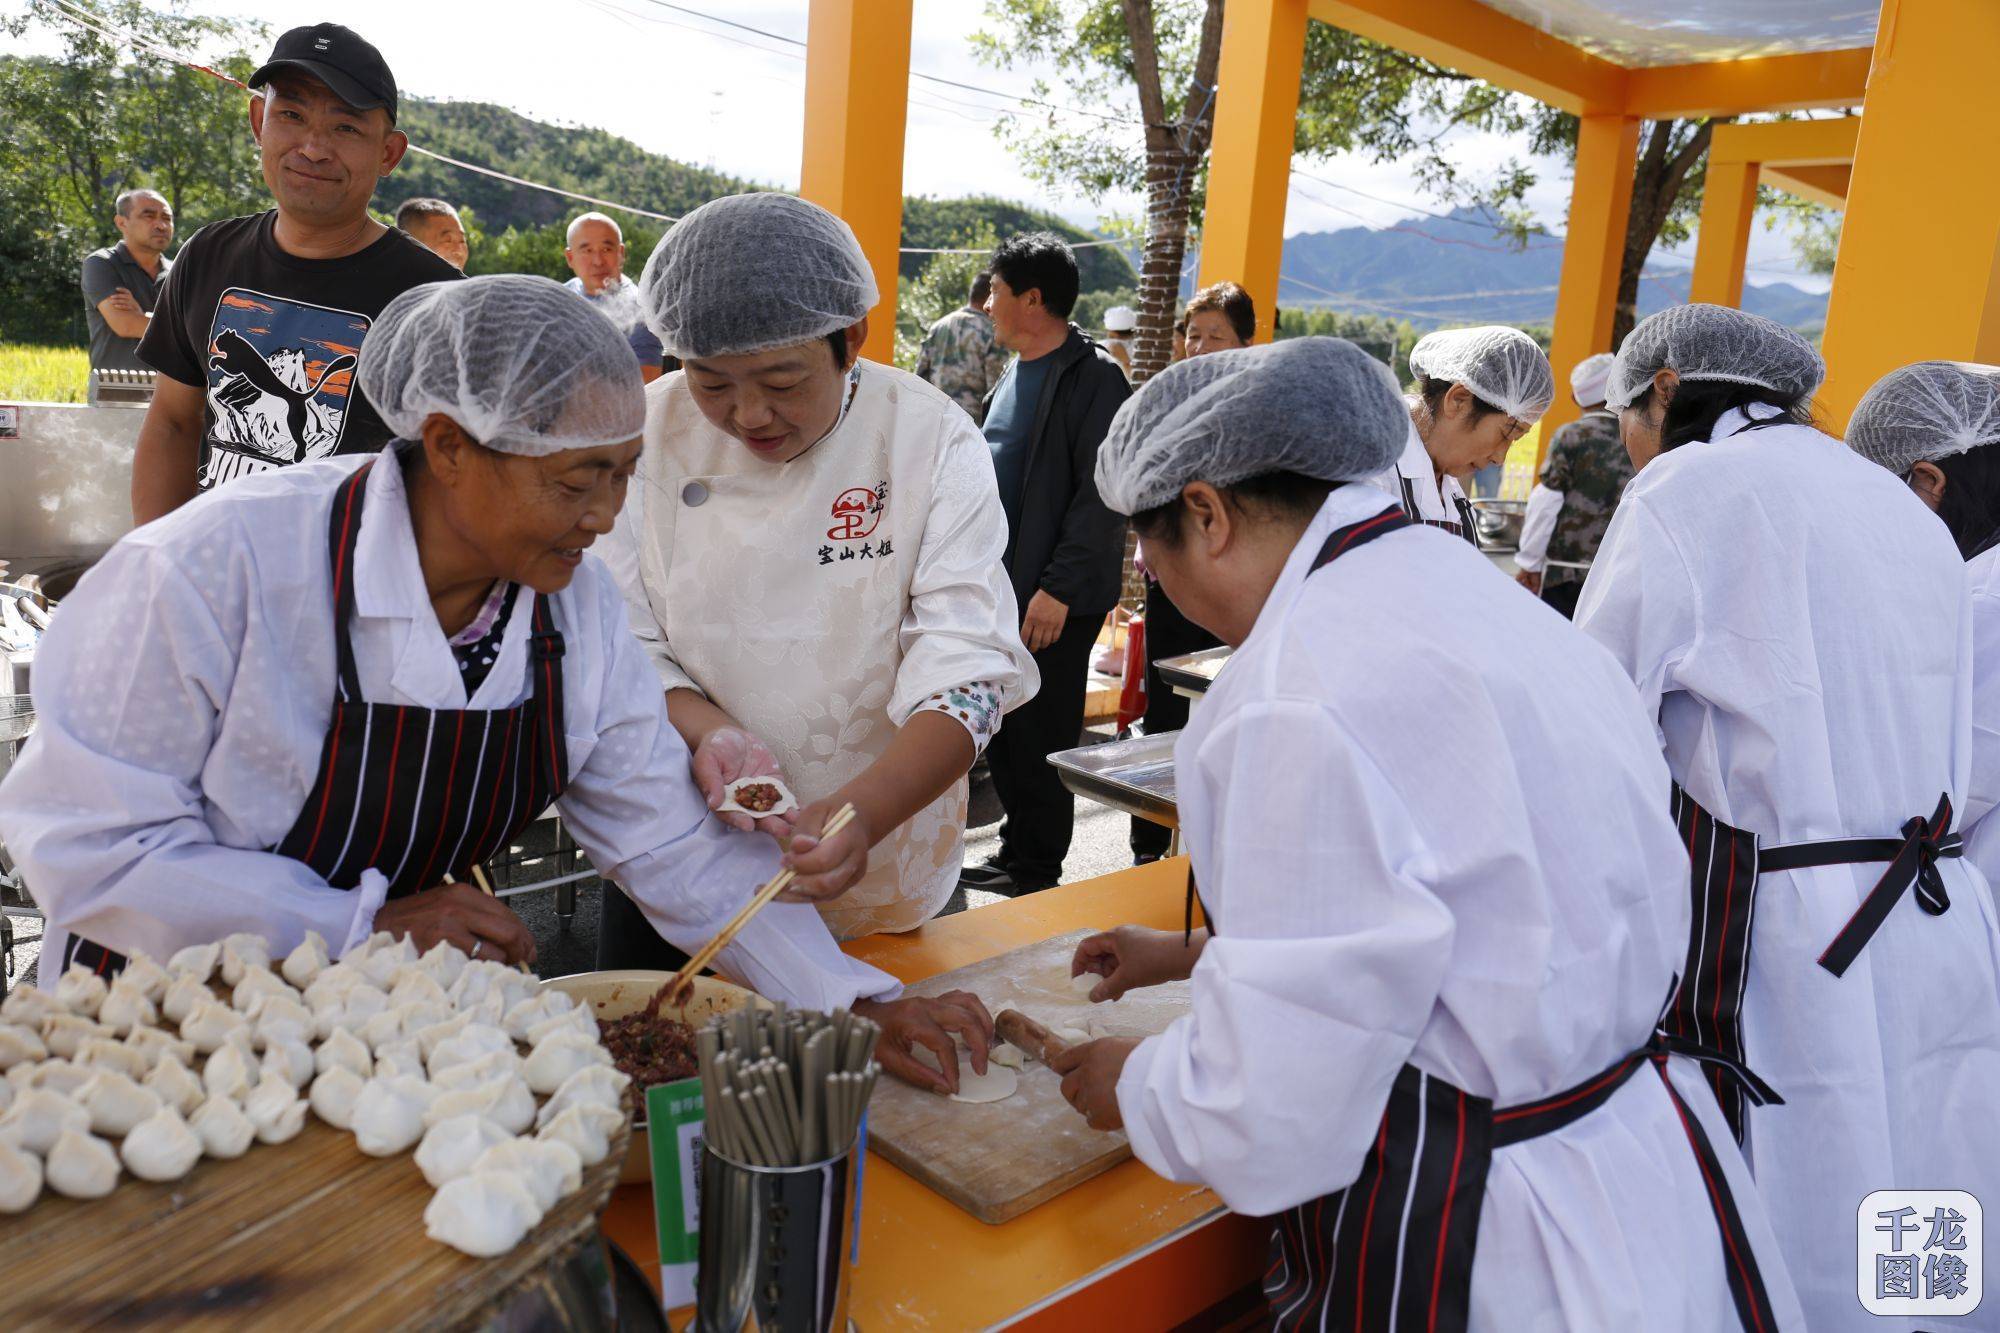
1250,164
1607,151
857,89
1722,244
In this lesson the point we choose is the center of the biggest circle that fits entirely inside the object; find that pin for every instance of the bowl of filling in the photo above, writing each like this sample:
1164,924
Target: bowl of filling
650,1047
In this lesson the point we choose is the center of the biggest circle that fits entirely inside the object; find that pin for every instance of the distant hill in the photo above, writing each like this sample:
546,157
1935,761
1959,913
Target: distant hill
1434,272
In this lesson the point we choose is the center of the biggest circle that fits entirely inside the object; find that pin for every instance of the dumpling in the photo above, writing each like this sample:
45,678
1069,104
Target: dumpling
428,1038
6,1094
156,1045
104,1053
210,1023
382,1028
241,952
81,991
343,1050
277,1018
148,976
276,1109
482,1215
160,1147
389,1114
473,1073
116,1104
64,1034
126,1007
577,1020
224,1130
451,1146
39,1117
548,1167
19,1044
20,1179
505,1101
229,1073
416,986
350,1011
587,1129
468,1043
81,1165
290,1060
380,964
306,962
173,1083
256,982
544,1005
334,1094
400,1057
195,963
442,962
563,1054
28,1007
183,994
56,1075
597,1085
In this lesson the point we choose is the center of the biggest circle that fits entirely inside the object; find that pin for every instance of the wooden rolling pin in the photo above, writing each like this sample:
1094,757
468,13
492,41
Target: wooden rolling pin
1017,1029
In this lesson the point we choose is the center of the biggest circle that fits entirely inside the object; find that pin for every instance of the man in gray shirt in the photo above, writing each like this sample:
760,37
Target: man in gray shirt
121,284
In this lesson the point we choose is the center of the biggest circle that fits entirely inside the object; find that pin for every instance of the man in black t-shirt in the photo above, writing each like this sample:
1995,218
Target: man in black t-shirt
259,325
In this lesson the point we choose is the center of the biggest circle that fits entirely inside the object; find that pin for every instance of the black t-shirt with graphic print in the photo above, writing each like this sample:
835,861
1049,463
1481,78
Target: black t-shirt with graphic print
272,341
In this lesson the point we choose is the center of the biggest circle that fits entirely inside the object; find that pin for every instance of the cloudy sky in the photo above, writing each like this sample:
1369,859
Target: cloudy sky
686,86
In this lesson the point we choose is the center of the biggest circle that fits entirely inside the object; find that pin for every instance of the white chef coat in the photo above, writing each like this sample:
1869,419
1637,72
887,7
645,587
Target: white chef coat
184,691
1431,821
1437,498
1982,835
747,584
1798,622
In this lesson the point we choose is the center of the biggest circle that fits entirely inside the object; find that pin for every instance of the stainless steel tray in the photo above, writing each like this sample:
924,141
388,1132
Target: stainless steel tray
1193,672
1136,776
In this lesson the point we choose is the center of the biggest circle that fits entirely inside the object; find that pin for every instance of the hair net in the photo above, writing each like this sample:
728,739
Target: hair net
752,272
1586,382
1502,365
1714,342
1925,412
1320,407
524,365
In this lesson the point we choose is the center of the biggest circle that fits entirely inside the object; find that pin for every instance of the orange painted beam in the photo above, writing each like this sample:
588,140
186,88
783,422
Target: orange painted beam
1256,107
1479,40
1826,185
857,95
1813,81
1787,143
1607,149
1722,243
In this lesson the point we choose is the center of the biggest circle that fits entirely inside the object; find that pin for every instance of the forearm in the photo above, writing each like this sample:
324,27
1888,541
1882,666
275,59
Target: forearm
694,716
930,752
165,465
127,324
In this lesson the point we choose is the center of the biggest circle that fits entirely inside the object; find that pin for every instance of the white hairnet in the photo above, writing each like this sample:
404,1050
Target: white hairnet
1713,342
1925,412
752,272
1320,407
1502,366
523,364
1586,382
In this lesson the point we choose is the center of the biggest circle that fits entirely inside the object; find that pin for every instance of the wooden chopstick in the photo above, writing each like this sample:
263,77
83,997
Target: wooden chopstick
684,979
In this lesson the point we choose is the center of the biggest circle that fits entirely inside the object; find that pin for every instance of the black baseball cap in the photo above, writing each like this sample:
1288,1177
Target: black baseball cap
339,57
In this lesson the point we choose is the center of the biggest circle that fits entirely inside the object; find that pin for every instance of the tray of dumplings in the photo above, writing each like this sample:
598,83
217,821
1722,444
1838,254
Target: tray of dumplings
391,1139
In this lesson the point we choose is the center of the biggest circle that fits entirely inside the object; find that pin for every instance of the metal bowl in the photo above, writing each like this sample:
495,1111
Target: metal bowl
615,994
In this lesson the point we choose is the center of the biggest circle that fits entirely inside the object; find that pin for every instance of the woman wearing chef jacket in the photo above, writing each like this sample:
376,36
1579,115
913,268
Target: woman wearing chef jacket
1478,391
813,555
1798,623
1442,916
314,700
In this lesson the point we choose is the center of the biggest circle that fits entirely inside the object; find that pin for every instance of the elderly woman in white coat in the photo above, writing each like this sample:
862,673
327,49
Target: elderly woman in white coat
1441,900
1798,624
813,556
316,700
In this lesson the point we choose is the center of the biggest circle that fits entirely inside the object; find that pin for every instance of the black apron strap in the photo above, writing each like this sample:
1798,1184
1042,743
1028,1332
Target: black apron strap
1912,863
340,535
1723,865
1467,517
545,653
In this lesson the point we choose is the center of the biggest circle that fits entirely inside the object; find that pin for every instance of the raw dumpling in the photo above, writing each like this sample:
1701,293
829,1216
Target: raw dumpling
210,1024
116,1104
305,962
334,1094
126,1007
56,1075
81,1165
468,1043
20,1179
155,1045
597,1085
258,981
64,1034
224,1130
276,1018
400,1057
381,964
442,962
104,1053
229,1073
546,1004
549,1168
428,1038
389,1114
276,1109
6,1094
481,1215
578,1021
183,994
20,1044
160,1147
474,1073
505,1101
334,981
451,1146
587,1129
81,991
148,976
196,962
350,1011
39,1117
344,1050
173,1083
28,1007
242,952
416,986
290,1060
560,1056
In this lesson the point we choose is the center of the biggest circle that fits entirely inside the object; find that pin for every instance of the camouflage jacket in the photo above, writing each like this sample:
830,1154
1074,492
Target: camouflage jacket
962,357
1588,464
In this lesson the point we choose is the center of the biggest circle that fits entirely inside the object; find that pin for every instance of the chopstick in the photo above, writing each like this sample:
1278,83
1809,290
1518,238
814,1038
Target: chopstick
676,990
786,1088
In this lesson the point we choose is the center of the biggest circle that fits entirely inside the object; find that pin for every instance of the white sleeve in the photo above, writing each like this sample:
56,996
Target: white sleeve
635,812
104,811
619,549
1641,601
1982,793
1544,505
1327,965
961,624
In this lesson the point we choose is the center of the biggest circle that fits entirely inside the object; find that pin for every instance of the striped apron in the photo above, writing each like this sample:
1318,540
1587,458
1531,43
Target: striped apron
1466,527
416,793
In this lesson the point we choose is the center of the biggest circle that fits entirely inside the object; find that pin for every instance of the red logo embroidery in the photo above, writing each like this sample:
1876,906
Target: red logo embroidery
855,514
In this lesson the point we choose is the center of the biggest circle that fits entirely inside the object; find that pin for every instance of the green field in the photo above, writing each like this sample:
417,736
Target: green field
43,374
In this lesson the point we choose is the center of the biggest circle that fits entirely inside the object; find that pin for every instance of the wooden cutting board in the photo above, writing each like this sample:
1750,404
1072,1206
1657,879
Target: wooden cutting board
998,1160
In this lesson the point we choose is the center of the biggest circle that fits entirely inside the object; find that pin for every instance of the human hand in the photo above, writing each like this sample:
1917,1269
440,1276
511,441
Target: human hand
1131,957
476,922
827,869
1090,1079
1531,579
1043,621
729,753
124,302
920,1021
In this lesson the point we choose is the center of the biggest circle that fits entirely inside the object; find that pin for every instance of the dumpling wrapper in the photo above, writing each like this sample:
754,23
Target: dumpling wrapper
482,1214
230,1073
28,1007
290,1060
242,952
276,1109
549,1167
224,1130
116,1104
452,1145
996,1084
65,1033
126,1007
195,963
785,804
307,961
19,1045
529,1012
183,994
81,991
104,1053
334,1094
81,1166
20,1179
39,1117
550,1064
468,1043
579,1021
175,1084
442,962
505,1100
56,1075
344,1050
210,1024
477,1073
587,1129
147,976
156,1045
389,1114
161,1147
597,1085
258,982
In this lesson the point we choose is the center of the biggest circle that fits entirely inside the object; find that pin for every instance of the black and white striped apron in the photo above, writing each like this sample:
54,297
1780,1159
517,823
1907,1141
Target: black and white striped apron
416,793
1466,527
1725,863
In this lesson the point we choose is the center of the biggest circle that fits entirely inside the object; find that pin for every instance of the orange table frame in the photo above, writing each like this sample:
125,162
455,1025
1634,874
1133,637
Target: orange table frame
1126,1250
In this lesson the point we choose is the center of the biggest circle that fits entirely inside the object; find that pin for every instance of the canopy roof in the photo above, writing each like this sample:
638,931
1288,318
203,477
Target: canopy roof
1646,32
